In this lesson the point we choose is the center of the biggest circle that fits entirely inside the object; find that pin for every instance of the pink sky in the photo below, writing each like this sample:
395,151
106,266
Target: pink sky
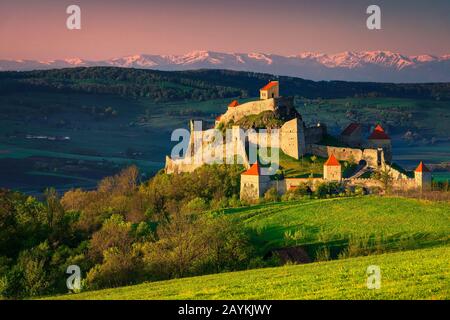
36,29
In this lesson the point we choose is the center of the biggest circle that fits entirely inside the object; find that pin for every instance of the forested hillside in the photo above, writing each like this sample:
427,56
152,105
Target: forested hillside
201,84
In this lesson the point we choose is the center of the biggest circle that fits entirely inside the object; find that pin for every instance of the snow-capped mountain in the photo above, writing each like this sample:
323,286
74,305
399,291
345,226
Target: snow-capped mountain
379,66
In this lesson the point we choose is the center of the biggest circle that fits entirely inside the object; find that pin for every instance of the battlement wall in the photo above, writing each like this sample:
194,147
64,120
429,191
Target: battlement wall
248,108
372,156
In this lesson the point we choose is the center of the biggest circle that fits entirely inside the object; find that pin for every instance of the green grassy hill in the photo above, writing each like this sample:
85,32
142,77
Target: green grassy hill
363,224
419,274
407,238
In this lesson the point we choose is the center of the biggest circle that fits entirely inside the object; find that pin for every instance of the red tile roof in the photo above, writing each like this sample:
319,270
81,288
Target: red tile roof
379,134
422,168
233,104
270,85
332,161
253,171
350,129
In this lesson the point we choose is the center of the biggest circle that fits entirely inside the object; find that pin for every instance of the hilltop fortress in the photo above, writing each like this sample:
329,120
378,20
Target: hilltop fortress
295,139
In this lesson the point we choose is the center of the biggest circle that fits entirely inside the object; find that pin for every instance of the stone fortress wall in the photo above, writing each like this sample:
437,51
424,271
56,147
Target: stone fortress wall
253,107
373,157
295,140
284,185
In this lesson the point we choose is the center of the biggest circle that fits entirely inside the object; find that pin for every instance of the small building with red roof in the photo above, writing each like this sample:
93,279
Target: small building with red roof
270,90
253,183
254,170
422,176
332,169
379,134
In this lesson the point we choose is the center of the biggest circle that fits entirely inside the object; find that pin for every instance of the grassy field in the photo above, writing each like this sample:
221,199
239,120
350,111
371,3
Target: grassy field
366,224
303,168
407,238
419,274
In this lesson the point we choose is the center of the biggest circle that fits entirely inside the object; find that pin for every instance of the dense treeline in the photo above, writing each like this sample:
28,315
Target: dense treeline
202,84
156,85
123,232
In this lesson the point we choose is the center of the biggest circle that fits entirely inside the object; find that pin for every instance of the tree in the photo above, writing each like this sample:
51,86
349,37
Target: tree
115,233
55,216
117,269
385,177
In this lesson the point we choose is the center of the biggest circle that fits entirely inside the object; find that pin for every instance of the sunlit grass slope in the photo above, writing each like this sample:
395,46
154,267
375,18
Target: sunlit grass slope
418,274
387,222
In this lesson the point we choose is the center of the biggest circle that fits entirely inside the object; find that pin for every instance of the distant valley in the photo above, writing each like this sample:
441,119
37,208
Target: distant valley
70,128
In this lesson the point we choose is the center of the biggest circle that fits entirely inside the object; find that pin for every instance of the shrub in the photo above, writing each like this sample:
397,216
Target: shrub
271,195
114,233
327,189
118,269
196,205
303,189
323,254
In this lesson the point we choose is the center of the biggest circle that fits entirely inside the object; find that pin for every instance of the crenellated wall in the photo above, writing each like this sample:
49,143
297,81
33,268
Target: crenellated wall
212,149
401,184
366,183
373,157
248,108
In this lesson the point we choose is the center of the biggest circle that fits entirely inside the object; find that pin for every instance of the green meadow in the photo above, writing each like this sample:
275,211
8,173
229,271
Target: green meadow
418,274
367,223
407,238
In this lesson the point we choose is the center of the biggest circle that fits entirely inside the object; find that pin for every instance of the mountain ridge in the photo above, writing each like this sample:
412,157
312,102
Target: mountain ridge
376,66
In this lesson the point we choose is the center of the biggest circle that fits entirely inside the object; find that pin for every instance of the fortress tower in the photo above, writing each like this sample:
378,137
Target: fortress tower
292,138
270,90
379,139
332,170
253,184
422,175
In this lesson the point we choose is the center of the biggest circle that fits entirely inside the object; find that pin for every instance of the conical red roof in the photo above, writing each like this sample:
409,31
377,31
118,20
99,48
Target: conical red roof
422,168
253,171
379,134
233,104
332,161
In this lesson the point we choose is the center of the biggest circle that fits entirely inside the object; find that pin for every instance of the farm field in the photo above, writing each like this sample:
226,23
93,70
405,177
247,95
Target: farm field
97,145
418,274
